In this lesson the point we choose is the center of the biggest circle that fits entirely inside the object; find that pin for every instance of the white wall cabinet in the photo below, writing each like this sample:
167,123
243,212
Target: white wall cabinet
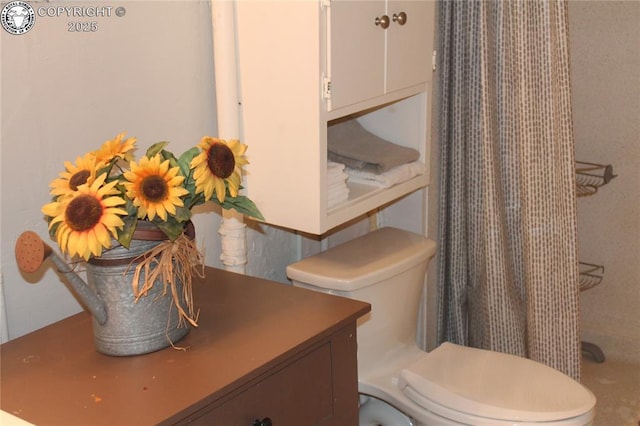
304,64
377,47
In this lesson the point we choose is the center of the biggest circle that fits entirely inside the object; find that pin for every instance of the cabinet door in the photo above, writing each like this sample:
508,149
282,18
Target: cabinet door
355,51
366,60
409,45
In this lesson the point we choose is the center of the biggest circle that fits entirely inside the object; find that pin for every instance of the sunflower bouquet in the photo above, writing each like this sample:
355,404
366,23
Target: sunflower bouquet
106,192
100,200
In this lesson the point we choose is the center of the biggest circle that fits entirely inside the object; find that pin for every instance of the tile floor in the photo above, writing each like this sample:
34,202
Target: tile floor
616,385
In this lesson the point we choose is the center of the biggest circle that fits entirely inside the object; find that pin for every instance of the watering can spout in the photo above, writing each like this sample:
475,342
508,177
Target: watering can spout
31,252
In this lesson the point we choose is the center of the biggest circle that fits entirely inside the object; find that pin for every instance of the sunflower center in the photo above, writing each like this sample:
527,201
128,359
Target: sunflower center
220,160
154,188
78,179
83,213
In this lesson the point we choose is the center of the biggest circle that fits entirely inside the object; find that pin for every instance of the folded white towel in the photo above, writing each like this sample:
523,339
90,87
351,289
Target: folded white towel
337,189
389,178
338,186
333,166
337,177
335,173
337,196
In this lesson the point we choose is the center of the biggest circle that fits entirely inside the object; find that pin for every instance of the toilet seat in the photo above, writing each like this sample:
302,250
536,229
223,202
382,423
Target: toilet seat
492,385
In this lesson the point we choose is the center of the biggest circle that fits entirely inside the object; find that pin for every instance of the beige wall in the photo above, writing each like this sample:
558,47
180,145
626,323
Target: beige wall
149,73
605,59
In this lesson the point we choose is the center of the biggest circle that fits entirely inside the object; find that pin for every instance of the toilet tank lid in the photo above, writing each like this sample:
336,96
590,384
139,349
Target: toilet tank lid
358,263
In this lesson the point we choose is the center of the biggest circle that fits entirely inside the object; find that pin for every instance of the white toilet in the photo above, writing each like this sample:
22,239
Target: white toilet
400,384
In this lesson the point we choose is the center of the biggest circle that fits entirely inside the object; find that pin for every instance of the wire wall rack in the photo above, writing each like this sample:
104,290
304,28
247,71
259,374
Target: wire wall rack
590,275
591,176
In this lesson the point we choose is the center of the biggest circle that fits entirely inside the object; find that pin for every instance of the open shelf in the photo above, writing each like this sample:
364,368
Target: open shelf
364,198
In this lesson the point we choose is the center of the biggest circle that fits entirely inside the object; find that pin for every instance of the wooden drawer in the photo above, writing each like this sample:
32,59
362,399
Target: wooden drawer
299,393
317,386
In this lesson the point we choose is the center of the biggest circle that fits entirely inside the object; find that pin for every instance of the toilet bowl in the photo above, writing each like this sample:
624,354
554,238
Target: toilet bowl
402,385
375,412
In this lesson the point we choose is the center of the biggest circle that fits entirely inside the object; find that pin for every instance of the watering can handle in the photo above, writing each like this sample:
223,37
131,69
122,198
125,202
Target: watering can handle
31,252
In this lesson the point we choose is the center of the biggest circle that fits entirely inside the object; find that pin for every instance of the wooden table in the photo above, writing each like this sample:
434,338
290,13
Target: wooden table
262,349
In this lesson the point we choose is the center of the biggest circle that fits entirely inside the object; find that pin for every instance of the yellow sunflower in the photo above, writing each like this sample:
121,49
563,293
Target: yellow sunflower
83,171
154,187
88,219
218,162
116,148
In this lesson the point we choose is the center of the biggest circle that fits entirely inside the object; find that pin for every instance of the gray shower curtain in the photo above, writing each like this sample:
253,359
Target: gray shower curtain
508,267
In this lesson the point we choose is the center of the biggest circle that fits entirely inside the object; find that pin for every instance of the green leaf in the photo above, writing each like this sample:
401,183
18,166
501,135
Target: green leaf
53,229
193,199
185,160
168,155
171,228
156,148
242,205
132,211
190,185
107,168
125,235
183,214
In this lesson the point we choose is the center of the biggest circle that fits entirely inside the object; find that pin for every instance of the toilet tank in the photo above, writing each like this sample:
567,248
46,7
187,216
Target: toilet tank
385,268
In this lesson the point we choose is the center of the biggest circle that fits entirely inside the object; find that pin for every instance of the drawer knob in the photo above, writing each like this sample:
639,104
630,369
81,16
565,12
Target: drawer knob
264,422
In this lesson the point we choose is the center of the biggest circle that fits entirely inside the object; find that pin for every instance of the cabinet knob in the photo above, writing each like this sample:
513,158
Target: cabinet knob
400,18
264,422
382,21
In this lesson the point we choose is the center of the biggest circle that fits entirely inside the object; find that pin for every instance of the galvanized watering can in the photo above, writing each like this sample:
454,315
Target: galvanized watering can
121,325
